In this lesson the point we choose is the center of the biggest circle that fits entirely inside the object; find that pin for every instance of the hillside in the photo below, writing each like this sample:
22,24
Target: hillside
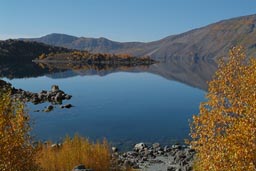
211,41
17,51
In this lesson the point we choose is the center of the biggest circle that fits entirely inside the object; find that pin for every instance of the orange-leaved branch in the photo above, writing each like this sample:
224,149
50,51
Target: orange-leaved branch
224,132
16,150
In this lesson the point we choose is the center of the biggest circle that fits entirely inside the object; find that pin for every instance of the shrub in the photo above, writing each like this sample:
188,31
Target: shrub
16,150
224,132
74,152
42,56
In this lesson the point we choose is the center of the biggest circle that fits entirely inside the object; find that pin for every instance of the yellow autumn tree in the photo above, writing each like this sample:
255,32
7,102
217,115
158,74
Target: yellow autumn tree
16,150
224,132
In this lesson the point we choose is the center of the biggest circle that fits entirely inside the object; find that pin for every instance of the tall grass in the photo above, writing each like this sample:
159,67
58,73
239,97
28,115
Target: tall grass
72,152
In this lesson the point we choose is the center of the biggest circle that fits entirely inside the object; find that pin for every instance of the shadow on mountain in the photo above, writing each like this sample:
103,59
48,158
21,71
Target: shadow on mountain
14,70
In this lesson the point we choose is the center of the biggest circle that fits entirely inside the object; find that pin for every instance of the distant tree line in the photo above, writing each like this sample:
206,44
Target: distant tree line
94,58
24,51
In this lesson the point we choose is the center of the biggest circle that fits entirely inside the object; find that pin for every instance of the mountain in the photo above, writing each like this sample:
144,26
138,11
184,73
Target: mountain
101,45
211,41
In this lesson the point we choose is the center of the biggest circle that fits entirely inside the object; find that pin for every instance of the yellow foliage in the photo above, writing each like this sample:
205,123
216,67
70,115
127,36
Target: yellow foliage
16,151
42,56
74,152
224,132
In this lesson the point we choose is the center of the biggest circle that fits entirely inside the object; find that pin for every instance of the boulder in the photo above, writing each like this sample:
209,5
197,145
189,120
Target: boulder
41,96
54,146
55,88
67,97
35,99
48,108
81,167
43,92
131,154
66,106
140,146
176,146
171,168
114,149
156,145
58,97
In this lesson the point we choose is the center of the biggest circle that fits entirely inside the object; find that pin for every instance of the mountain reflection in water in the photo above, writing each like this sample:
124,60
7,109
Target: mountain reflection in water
194,73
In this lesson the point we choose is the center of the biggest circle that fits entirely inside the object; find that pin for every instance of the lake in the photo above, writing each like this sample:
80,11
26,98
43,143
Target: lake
146,105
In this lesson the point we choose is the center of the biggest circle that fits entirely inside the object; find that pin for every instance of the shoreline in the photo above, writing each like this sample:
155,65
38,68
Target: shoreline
142,157
155,157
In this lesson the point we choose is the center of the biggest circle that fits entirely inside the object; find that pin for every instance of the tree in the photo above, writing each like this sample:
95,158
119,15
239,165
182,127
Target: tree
224,132
16,150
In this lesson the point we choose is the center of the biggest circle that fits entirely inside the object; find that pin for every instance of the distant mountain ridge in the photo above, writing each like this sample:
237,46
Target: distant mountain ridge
211,41
101,45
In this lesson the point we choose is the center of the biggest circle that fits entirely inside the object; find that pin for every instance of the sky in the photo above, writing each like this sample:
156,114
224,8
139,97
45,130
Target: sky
119,20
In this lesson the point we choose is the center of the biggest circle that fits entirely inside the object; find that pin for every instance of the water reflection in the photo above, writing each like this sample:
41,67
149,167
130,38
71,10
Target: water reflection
193,72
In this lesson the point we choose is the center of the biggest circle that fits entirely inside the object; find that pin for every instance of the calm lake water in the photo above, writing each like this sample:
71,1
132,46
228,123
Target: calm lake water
122,107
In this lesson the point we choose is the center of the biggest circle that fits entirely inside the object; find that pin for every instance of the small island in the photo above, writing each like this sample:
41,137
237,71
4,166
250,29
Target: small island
85,57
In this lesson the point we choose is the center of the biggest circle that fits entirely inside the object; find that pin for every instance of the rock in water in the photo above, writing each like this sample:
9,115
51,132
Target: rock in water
48,108
55,96
55,88
67,97
58,97
66,106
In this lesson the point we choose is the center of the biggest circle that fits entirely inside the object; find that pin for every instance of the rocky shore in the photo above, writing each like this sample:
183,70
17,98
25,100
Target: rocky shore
156,157
53,96
152,158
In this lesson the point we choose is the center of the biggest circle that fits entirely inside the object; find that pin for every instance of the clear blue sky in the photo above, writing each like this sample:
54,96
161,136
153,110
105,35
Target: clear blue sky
120,20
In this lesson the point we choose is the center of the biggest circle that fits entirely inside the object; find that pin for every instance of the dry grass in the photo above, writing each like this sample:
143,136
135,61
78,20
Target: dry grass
72,152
